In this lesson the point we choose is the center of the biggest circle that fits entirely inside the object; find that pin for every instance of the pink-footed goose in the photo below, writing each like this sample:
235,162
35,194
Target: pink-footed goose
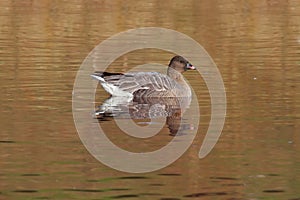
148,84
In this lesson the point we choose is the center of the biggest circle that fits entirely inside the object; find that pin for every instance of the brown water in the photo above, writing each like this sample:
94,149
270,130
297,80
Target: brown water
256,46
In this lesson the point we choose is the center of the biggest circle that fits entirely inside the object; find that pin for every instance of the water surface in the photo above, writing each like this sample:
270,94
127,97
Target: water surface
256,48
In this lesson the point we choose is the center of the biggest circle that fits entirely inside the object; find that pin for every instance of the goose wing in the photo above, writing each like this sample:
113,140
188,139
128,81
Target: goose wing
151,81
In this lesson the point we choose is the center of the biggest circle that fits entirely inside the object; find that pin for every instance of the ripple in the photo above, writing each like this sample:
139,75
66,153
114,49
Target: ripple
224,178
273,191
156,184
202,194
124,196
25,191
133,177
82,190
169,174
7,141
273,174
30,174
150,194
94,190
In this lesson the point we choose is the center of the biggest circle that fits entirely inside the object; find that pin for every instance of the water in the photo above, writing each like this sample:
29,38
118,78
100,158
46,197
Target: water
256,48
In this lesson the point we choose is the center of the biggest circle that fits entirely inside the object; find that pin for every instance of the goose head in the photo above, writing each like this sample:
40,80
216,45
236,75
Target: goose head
180,64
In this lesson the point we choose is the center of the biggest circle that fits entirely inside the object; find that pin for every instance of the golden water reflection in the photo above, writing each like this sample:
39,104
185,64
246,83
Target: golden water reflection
256,47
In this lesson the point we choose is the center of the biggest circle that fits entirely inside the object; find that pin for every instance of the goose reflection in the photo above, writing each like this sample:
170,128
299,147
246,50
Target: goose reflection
170,108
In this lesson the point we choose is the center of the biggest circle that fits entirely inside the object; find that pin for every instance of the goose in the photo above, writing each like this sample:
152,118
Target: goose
148,84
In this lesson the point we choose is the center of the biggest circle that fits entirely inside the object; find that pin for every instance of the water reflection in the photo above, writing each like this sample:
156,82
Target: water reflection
169,109
43,44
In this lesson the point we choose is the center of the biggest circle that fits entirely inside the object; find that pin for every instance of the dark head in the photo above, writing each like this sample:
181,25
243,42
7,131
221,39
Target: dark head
180,64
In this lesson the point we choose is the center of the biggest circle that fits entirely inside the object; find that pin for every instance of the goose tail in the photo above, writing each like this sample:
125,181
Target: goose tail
108,86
